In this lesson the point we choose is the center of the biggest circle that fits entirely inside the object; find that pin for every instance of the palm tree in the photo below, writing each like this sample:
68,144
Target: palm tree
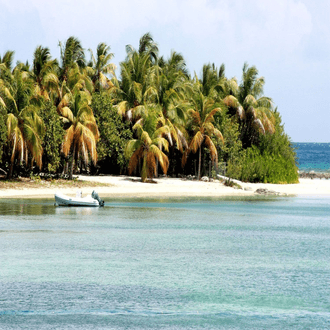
24,127
72,55
253,110
212,80
6,61
201,112
137,78
81,129
148,146
74,75
258,108
101,66
77,80
44,73
172,85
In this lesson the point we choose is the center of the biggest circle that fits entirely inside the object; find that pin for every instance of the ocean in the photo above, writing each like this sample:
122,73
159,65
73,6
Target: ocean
313,156
166,263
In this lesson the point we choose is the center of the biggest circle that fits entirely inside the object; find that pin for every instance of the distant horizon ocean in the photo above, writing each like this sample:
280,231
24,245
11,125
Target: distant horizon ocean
313,156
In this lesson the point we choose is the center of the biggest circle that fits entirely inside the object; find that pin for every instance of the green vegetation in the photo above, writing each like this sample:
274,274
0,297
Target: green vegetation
114,135
72,115
52,139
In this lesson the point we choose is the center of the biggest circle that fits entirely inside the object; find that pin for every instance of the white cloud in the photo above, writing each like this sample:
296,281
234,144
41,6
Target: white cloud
285,39
277,26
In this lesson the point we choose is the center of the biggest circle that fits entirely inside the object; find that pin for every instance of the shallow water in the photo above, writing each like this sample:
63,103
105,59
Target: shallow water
244,263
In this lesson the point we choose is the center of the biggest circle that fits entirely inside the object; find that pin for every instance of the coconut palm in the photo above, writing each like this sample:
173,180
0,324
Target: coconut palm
137,79
253,110
44,73
258,108
77,80
24,127
201,112
148,146
172,86
74,75
101,66
81,128
212,80
6,61
72,55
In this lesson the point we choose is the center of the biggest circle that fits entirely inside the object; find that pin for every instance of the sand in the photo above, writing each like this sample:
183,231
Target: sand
123,186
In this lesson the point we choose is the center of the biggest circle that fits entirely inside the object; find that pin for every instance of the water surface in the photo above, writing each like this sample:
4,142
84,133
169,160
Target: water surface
239,263
313,156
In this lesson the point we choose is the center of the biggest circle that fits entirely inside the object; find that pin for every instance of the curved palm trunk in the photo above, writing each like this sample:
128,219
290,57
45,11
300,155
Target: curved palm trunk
199,162
157,162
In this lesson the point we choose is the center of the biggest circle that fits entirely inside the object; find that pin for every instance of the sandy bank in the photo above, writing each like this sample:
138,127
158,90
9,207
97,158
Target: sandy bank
123,186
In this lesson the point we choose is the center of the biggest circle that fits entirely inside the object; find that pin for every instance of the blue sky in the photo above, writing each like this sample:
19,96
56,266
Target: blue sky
287,40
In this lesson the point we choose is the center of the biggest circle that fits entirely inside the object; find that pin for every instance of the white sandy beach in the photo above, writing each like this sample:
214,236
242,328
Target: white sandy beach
123,186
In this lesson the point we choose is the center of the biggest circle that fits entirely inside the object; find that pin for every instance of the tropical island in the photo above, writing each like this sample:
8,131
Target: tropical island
73,116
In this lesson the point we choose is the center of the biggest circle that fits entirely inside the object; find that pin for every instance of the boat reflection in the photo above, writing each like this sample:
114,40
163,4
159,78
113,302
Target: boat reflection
66,210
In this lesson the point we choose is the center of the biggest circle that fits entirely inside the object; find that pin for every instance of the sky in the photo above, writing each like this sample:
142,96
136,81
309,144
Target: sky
287,40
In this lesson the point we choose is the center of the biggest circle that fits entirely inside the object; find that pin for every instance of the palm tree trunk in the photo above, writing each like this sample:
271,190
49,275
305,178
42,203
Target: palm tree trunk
73,157
10,173
156,169
199,163
157,162
65,168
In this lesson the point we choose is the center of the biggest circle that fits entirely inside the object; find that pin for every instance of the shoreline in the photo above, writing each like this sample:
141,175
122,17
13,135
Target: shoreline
129,187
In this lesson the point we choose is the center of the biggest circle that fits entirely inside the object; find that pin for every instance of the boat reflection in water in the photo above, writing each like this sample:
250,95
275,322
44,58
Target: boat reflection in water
80,211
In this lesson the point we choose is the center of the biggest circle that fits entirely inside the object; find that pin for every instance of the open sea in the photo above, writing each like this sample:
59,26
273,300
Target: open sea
313,156
197,263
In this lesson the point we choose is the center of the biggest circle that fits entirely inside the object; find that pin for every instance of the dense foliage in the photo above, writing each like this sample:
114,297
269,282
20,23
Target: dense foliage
71,115
114,136
52,139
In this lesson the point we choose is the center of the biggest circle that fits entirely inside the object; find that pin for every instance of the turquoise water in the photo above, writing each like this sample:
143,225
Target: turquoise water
250,263
313,156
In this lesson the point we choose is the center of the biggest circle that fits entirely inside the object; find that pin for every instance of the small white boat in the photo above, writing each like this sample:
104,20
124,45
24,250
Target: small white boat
78,200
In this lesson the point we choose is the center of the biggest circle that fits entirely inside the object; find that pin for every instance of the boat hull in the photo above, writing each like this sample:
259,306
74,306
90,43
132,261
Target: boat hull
64,200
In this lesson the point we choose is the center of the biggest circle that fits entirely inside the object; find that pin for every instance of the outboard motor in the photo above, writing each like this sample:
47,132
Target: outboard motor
96,196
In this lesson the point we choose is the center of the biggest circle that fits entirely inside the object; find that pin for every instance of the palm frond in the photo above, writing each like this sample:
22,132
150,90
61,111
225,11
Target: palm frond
2,102
160,142
67,113
131,146
122,107
196,142
211,114
151,163
12,123
134,160
265,102
259,126
87,143
213,150
145,138
250,101
33,142
218,134
68,140
162,158
231,101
